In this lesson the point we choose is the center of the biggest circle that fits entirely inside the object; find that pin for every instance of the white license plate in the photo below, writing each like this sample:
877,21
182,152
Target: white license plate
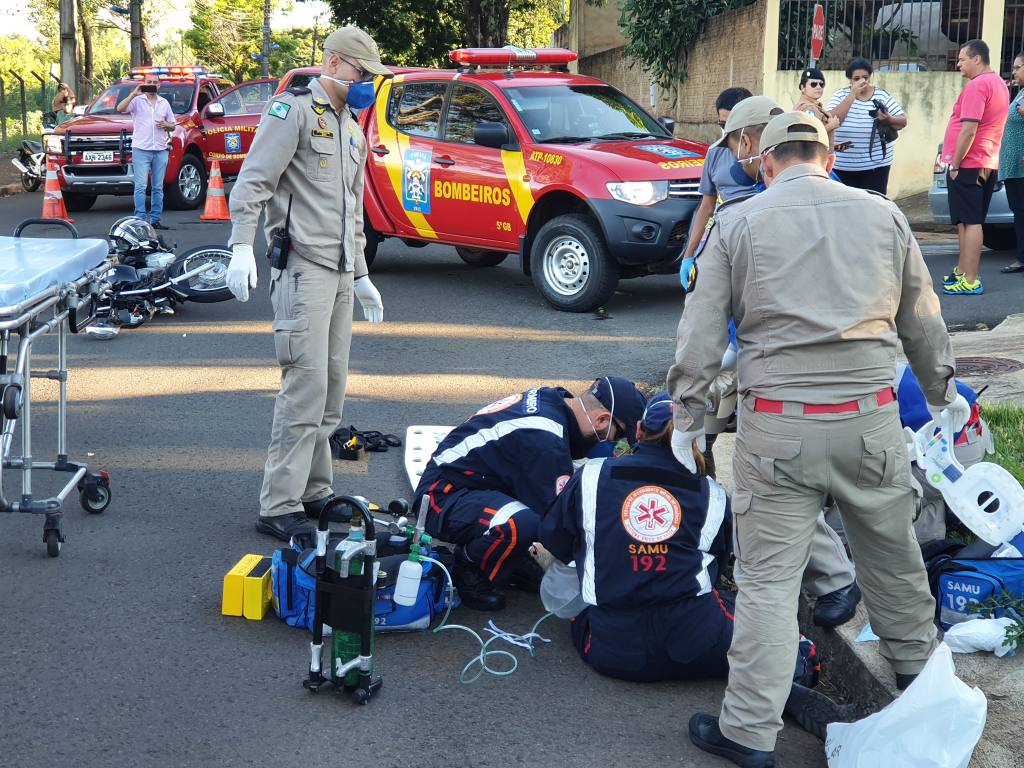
98,157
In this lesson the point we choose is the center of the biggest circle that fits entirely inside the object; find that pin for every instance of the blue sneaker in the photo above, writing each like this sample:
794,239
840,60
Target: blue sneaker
962,288
952,277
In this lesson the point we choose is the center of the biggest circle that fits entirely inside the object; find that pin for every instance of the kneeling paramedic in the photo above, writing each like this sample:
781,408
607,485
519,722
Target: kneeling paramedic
649,538
818,415
491,479
307,165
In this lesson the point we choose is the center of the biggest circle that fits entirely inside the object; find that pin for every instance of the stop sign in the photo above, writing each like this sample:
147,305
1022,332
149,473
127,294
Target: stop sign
818,32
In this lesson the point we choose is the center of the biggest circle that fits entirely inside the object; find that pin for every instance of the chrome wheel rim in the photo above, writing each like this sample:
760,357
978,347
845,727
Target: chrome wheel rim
212,279
566,266
189,182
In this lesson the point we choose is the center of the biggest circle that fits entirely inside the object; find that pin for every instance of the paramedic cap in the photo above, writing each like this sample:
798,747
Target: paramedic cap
753,110
623,401
658,413
793,126
356,44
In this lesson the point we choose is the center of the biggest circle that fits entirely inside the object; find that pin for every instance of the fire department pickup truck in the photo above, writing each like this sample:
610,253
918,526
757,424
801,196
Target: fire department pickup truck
215,120
509,153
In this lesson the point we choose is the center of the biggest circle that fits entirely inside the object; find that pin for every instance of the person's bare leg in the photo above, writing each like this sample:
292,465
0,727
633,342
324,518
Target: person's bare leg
970,250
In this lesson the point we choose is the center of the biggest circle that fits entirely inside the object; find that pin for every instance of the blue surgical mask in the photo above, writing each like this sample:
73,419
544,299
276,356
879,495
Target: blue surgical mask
360,95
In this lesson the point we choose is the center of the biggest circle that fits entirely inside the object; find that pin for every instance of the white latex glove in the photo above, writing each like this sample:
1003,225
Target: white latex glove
241,275
682,447
959,411
729,359
369,299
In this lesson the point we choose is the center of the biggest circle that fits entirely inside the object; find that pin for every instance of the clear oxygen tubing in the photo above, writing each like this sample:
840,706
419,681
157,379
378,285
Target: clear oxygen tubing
523,641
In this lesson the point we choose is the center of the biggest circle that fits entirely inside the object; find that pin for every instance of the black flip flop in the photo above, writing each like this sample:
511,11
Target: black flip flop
1012,268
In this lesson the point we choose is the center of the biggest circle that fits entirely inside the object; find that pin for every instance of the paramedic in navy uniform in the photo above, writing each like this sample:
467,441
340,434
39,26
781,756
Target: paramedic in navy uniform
491,478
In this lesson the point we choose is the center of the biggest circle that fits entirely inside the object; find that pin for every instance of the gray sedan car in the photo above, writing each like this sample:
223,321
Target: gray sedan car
998,232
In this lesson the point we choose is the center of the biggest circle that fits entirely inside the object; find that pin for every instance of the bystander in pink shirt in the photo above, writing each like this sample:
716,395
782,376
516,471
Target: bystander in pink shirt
984,100
145,114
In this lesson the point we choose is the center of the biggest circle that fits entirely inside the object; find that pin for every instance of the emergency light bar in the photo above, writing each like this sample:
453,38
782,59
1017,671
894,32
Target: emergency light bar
138,73
512,56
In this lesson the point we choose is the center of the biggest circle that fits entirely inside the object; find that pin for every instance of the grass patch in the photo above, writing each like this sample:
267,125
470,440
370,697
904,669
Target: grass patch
1007,425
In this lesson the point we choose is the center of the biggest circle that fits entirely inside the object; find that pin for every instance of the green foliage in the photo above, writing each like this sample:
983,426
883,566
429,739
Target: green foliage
225,34
1007,425
661,33
1007,605
532,22
409,32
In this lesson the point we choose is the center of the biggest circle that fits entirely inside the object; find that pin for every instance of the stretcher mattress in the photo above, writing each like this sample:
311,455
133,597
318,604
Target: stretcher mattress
420,444
28,266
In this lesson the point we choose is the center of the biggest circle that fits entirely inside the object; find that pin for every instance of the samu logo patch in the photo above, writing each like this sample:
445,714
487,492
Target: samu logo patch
651,514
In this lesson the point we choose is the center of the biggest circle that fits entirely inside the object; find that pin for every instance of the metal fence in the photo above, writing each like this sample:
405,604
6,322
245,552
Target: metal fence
1013,34
907,36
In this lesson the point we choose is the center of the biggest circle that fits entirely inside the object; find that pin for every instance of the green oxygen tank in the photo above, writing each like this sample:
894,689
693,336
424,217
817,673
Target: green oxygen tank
346,645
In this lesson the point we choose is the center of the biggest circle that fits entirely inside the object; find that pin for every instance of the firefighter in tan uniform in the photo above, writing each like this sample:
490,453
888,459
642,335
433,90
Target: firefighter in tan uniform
818,313
306,165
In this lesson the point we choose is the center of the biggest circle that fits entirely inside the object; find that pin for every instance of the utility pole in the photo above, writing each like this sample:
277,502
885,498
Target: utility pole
265,59
135,20
68,59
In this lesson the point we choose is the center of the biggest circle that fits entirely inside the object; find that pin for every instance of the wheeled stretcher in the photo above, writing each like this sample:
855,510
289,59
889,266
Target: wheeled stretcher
46,286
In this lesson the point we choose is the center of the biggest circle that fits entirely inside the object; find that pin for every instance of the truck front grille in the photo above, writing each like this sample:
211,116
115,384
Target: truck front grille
686,188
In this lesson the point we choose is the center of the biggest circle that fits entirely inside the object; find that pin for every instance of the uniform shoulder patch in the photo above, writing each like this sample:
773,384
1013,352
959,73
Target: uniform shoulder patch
279,109
298,90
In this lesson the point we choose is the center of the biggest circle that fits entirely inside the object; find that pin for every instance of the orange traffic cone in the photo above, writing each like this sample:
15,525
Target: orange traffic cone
53,201
216,205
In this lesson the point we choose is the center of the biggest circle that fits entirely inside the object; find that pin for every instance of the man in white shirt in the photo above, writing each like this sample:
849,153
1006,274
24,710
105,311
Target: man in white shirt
152,118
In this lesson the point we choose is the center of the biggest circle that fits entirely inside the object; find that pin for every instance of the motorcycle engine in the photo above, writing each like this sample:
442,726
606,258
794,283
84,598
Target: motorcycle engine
159,260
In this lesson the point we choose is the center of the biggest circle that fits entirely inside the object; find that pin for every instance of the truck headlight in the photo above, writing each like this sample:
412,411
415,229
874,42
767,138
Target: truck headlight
53,144
638,192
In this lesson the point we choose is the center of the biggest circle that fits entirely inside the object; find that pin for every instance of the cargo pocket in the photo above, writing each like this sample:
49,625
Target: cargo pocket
878,461
323,159
289,338
772,456
741,501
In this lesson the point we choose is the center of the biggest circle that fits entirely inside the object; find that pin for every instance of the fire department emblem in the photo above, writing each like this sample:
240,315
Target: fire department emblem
651,514
499,405
416,180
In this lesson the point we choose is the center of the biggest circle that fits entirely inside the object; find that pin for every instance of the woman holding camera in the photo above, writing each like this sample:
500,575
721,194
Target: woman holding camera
868,119
812,87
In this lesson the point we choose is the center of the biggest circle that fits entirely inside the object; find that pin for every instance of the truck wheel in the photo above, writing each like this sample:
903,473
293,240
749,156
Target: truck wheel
998,238
186,192
478,257
77,203
373,239
571,266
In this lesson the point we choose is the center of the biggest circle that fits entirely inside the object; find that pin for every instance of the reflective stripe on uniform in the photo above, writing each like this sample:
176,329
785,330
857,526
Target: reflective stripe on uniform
498,431
588,489
503,514
712,524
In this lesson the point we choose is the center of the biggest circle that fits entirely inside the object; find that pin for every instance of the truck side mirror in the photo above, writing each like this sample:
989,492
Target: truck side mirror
216,109
668,124
488,134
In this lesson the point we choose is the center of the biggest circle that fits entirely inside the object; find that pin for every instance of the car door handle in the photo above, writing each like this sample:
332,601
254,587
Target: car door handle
444,161
380,149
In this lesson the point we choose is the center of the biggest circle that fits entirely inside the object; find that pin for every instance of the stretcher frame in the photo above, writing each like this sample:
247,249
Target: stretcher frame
66,307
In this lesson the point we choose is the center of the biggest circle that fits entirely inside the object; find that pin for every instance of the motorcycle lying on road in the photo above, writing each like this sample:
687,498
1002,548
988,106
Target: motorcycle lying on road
31,161
149,279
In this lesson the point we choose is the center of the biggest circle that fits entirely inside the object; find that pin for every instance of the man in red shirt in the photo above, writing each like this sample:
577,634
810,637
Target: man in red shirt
971,151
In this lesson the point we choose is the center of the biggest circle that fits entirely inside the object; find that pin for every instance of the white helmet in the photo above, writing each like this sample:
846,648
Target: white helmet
131,233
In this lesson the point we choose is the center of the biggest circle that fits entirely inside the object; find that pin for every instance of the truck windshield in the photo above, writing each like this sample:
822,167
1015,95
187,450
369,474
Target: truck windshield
178,94
577,113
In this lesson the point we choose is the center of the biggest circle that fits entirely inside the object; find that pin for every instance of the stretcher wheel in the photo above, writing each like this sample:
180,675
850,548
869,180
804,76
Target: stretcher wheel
52,539
360,696
12,401
97,501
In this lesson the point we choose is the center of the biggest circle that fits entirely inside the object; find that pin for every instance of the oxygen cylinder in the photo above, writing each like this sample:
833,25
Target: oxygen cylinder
345,646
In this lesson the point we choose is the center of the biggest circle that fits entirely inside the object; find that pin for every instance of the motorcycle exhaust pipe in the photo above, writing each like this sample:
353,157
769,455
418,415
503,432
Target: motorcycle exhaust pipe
20,166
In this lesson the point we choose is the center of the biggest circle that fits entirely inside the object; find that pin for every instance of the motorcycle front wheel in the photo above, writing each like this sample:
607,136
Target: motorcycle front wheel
207,287
29,182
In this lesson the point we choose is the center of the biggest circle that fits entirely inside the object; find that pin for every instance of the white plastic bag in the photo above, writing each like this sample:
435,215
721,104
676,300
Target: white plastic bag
935,723
980,635
560,591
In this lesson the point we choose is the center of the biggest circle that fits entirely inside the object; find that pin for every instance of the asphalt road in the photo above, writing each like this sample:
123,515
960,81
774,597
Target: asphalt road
116,653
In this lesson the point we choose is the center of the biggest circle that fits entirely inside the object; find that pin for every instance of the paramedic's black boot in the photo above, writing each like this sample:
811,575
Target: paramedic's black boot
340,514
527,575
284,527
903,681
837,607
813,710
705,733
475,589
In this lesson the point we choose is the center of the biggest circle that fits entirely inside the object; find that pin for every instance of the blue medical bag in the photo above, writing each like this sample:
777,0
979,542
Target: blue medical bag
963,582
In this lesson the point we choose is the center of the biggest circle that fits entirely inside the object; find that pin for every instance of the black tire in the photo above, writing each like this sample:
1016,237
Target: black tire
52,539
373,238
571,266
999,238
478,257
76,203
99,504
188,190
30,183
208,287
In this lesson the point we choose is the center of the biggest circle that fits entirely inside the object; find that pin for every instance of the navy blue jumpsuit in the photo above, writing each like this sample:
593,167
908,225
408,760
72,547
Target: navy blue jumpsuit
492,477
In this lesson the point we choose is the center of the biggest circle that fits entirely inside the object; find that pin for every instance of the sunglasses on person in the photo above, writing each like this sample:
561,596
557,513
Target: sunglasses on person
816,83
363,75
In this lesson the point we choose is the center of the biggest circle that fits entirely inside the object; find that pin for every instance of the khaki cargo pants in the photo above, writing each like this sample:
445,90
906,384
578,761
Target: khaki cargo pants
312,333
784,465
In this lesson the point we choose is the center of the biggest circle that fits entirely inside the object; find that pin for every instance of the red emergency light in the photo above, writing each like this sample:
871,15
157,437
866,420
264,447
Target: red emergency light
510,56
138,73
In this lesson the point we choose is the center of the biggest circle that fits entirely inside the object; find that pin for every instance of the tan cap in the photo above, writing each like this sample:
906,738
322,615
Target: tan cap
753,110
793,126
357,45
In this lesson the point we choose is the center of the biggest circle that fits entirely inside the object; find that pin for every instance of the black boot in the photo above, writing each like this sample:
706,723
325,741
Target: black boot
527,575
284,527
475,589
709,455
705,733
837,607
340,514
814,710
